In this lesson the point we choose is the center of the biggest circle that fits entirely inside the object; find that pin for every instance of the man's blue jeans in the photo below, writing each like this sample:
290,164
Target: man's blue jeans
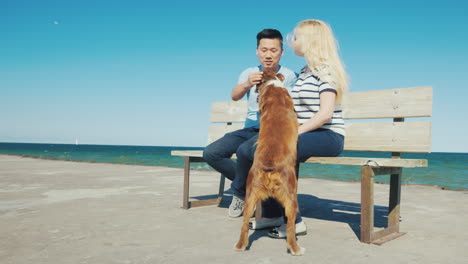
218,154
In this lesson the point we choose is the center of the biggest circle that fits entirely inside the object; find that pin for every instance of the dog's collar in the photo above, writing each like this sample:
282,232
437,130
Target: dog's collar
275,82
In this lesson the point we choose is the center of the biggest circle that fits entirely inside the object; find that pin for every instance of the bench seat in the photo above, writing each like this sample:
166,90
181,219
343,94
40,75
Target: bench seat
356,161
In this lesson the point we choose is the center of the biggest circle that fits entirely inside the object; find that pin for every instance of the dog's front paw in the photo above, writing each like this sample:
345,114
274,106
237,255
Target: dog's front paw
240,246
299,252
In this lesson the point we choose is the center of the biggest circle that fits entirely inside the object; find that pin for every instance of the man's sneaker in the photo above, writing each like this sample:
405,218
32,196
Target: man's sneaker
237,207
266,223
280,232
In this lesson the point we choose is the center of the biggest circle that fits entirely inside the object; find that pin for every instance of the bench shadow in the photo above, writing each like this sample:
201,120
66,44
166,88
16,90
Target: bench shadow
323,209
225,202
339,211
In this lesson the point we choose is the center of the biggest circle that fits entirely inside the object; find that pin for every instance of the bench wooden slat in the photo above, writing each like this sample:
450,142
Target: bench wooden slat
390,103
187,153
389,136
228,112
373,162
381,136
217,131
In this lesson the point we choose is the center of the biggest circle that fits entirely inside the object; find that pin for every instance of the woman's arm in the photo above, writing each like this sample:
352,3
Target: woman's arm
327,107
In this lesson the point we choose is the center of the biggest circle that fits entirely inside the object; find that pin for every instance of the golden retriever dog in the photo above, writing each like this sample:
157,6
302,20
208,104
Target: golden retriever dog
273,171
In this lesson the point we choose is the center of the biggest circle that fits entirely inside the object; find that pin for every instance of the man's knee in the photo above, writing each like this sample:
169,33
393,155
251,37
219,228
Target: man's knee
209,153
216,151
244,152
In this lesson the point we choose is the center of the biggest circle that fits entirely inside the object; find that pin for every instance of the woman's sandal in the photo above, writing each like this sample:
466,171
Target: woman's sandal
280,232
266,223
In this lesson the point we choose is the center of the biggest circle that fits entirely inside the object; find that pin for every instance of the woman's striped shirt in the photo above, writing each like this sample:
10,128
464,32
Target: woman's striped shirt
306,97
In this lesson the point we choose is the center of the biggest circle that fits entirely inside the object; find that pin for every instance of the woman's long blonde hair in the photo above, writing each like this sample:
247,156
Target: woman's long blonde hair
315,41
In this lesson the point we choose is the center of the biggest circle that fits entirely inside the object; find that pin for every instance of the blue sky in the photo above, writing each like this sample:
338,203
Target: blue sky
145,72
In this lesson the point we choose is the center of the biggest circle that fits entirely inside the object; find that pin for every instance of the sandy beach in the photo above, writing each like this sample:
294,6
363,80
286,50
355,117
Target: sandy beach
74,212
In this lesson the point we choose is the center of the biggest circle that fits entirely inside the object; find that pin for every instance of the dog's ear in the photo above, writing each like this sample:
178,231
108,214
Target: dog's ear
280,76
265,76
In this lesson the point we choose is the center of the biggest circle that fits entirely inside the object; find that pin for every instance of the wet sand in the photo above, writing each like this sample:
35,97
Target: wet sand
75,212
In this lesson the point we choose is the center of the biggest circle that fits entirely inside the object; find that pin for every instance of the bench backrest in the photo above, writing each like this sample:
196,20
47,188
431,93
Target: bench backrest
377,134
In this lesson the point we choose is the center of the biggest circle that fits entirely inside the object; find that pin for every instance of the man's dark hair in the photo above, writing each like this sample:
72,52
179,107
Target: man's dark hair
269,33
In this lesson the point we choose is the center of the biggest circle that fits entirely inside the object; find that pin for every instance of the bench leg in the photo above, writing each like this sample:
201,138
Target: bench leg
212,201
185,195
367,204
394,201
393,227
221,188
186,203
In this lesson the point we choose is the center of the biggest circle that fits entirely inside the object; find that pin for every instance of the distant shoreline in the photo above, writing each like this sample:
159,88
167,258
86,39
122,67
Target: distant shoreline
318,178
178,147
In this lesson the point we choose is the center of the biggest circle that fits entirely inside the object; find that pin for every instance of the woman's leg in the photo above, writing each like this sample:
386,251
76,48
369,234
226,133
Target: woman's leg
317,143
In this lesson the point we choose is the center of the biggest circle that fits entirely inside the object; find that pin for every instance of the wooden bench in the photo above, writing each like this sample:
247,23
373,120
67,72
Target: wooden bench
394,135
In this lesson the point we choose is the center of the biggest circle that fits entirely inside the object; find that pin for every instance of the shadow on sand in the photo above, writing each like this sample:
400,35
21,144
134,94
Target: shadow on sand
323,209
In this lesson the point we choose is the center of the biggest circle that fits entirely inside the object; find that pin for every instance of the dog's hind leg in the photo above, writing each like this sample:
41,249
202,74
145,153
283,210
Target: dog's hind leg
291,207
249,206
287,196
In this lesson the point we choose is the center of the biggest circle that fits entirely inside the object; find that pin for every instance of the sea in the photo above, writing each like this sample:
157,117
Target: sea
446,170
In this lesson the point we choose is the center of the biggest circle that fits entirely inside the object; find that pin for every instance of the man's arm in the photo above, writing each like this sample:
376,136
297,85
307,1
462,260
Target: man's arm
242,88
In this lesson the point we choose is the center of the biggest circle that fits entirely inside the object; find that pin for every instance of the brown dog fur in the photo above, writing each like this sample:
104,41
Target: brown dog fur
273,171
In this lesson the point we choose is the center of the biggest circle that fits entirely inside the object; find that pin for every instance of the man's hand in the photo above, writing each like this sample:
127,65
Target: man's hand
255,78
241,89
